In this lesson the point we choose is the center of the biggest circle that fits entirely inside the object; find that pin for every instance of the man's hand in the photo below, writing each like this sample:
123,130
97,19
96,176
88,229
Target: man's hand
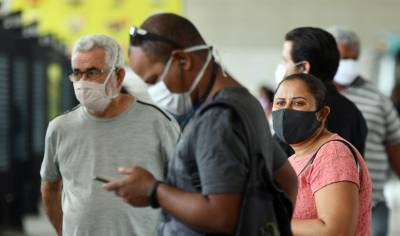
217,213
133,187
393,152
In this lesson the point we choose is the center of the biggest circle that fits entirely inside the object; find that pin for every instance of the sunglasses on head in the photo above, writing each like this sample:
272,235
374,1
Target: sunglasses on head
138,35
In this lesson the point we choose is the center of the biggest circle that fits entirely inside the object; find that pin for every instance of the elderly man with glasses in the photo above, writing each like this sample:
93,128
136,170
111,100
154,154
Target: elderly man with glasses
107,130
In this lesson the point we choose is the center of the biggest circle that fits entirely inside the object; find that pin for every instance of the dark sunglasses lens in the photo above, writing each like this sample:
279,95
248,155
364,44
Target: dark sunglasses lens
134,40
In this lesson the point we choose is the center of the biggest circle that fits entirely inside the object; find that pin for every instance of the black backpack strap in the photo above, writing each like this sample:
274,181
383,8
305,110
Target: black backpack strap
242,116
353,152
157,108
265,208
249,129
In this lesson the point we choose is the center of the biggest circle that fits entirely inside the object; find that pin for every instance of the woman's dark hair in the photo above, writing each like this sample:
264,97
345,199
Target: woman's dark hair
314,85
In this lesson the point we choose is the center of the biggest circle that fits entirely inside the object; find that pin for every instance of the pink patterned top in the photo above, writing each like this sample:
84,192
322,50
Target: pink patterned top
333,163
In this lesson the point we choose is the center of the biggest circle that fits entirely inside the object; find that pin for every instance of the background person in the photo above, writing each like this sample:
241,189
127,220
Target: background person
382,148
314,51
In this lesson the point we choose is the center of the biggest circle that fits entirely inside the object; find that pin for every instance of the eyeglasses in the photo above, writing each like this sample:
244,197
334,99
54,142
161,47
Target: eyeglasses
90,74
137,36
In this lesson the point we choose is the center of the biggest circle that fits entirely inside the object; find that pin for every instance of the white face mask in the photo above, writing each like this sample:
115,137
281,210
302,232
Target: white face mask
281,71
177,103
347,72
96,97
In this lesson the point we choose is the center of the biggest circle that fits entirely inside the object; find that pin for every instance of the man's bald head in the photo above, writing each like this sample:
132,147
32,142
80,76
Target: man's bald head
173,27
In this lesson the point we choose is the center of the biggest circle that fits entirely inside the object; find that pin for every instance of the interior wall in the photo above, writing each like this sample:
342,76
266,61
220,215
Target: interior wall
249,34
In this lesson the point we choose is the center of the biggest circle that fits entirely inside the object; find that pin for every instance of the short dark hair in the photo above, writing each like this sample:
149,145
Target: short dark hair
314,85
318,47
173,27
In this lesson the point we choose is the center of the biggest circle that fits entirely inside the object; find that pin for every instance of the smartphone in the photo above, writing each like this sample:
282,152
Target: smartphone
100,179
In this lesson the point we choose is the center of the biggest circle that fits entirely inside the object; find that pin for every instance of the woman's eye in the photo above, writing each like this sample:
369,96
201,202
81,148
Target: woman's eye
280,103
300,103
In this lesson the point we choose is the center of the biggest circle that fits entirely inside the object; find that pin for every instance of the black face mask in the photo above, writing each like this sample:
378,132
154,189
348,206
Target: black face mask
293,126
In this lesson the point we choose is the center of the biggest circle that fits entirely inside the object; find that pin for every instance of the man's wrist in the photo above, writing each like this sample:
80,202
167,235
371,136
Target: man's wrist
152,195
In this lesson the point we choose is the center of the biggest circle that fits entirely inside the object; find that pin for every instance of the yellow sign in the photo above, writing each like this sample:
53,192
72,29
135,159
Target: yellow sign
54,77
70,19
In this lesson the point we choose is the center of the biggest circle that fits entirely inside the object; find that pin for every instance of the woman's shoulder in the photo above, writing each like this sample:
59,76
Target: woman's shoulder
337,152
334,163
337,144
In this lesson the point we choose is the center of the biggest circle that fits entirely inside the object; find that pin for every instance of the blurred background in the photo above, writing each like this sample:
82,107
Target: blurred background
36,37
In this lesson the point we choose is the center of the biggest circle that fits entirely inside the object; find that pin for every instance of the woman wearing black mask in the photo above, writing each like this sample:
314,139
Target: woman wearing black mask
334,196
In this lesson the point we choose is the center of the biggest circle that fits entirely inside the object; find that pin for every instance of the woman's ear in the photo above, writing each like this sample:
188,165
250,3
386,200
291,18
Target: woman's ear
323,114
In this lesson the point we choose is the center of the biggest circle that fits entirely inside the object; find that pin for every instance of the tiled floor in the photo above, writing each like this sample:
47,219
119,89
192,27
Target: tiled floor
39,226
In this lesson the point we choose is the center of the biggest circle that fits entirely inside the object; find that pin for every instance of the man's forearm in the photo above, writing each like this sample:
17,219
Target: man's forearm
52,205
394,157
210,213
287,179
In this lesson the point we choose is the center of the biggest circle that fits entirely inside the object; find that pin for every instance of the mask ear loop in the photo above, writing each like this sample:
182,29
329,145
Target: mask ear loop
181,70
201,72
113,68
298,64
218,59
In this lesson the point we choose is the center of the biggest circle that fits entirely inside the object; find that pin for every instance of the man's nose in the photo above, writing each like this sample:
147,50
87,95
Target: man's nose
85,76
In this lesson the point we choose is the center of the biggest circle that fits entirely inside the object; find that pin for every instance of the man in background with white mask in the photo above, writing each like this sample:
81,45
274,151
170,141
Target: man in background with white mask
107,130
382,149
314,51
207,176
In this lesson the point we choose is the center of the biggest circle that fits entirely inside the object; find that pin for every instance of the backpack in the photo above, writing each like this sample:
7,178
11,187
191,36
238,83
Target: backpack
265,209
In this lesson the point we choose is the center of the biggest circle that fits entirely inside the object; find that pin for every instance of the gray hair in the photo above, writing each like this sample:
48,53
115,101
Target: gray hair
112,49
345,36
